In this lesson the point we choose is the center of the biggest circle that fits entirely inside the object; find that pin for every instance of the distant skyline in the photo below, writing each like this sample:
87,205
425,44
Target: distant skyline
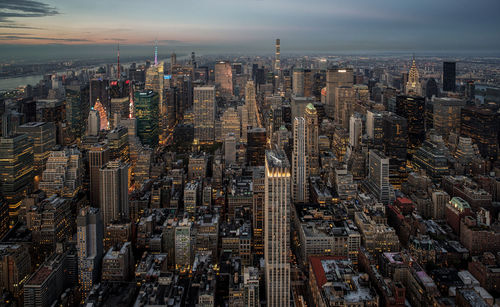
313,26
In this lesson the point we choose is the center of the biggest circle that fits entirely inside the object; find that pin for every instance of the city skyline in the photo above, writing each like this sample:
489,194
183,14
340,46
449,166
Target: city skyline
320,26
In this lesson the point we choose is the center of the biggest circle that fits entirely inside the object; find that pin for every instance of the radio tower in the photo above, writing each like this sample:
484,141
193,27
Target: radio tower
156,52
118,61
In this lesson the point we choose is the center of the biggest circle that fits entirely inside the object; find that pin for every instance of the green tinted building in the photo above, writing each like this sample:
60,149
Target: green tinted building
147,113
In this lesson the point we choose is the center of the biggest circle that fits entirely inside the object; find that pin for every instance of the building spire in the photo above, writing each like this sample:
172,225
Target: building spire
156,52
118,58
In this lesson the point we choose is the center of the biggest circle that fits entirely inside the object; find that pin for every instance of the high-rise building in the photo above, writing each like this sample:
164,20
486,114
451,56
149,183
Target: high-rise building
47,283
378,177
395,140
118,144
204,114
431,88
251,286
182,238
93,123
44,139
15,267
113,198
63,174
155,82
482,125
413,86
277,64
344,97
355,130
258,181
300,165
446,115
298,82
224,79
98,156
251,104
336,77
413,109
375,126
230,122
146,113
449,74
16,169
77,108
277,229
89,242
256,146
312,138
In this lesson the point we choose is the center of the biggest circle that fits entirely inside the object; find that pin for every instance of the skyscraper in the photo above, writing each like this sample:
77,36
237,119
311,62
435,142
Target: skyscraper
251,103
204,114
256,146
277,64
449,73
89,238
93,123
277,228
300,171
378,177
146,113
224,79
312,138
336,77
44,139
154,82
482,125
355,130
298,82
77,108
16,169
413,86
114,191
413,109
98,156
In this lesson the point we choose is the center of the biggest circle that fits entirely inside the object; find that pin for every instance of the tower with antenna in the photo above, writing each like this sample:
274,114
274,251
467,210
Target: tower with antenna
118,58
156,52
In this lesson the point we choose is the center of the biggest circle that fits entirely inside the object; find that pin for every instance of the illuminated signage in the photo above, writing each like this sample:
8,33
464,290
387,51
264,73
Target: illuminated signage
167,77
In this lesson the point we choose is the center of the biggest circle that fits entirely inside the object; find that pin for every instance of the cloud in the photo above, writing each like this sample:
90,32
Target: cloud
16,26
20,36
23,9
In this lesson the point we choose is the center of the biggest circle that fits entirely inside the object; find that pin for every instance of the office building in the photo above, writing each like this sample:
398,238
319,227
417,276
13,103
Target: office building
63,174
98,156
44,139
312,138
378,177
355,130
449,73
224,79
89,246
113,180
256,146
335,78
146,113
77,108
277,229
48,282
204,114
413,109
300,167
482,125
446,114
93,123
16,169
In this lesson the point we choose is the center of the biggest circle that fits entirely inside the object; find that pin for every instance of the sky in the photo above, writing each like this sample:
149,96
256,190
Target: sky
252,25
